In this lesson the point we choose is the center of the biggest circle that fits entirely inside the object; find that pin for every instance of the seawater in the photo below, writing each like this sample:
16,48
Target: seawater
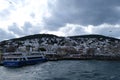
64,70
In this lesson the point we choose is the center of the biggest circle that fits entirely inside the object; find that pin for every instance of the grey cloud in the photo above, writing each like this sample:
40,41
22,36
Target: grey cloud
5,35
15,29
27,29
76,31
27,26
106,29
79,31
83,12
23,31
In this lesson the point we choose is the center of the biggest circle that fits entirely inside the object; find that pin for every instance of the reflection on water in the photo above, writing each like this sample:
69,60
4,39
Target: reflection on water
65,70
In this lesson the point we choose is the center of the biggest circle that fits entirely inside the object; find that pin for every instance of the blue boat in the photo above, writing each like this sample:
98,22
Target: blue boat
18,59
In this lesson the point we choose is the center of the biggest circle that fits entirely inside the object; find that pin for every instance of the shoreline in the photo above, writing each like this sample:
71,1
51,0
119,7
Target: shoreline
86,57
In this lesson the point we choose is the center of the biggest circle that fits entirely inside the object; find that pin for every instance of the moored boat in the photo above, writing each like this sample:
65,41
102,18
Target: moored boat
18,59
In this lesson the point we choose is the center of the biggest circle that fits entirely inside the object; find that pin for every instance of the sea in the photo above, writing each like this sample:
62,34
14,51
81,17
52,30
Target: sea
64,70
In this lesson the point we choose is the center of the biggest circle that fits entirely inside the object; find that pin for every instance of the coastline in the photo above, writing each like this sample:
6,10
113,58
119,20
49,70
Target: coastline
80,57
86,57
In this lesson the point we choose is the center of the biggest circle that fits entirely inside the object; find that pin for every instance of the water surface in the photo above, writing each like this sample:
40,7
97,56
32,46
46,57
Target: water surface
65,70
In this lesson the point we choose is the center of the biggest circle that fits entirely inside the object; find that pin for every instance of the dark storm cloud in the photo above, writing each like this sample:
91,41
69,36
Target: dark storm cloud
83,12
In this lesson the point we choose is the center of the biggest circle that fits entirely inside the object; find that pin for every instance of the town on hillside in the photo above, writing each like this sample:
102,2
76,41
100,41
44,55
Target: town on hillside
78,47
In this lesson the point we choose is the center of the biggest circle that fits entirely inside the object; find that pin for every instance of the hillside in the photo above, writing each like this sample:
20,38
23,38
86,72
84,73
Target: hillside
82,44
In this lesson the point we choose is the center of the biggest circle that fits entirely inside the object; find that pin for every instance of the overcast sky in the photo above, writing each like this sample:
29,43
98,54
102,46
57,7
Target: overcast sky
60,17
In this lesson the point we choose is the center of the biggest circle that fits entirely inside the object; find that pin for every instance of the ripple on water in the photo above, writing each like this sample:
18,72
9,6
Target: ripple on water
64,70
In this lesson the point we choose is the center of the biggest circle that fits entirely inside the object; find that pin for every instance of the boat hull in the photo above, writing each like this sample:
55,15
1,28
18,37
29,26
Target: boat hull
30,62
22,63
12,63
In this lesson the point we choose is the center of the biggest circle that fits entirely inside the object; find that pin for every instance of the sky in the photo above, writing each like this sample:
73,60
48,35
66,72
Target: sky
59,17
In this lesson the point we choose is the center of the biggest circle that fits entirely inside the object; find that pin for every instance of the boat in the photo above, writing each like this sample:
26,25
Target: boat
18,59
